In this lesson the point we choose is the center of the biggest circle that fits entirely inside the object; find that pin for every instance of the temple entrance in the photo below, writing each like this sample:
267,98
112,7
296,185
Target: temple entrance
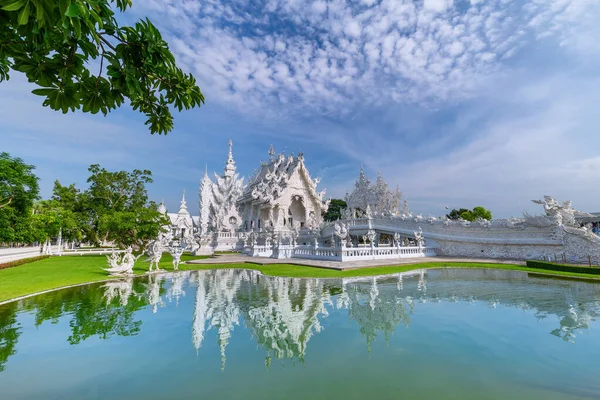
297,212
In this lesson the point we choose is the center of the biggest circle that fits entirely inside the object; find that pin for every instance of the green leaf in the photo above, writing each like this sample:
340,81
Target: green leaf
72,11
24,15
39,16
43,92
14,6
63,6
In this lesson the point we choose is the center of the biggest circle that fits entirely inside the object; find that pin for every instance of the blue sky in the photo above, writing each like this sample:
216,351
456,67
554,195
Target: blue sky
459,102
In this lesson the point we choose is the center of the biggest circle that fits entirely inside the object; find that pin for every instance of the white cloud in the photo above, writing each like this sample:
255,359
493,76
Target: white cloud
319,7
342,55
437,5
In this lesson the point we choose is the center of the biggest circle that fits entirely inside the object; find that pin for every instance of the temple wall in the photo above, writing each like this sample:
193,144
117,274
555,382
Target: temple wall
500,239
497,251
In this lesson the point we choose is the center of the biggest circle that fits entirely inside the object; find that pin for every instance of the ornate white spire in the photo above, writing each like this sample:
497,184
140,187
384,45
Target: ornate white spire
271,153
162,208
183,206
205,200
230,165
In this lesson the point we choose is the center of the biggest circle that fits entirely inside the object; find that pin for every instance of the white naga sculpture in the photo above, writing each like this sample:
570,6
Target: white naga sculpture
559,214
121,266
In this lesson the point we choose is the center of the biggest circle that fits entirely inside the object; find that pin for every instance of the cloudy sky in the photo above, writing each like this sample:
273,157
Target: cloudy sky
459,102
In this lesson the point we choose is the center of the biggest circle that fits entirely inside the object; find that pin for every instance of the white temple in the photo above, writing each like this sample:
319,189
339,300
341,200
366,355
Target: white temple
182,223
279,214
281,196
218,198
378,197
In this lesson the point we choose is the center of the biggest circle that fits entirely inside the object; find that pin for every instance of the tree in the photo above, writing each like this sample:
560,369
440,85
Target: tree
115,207
55,43
49,218
90,313
135,227
470,215
18,190
10,330
456,214
480,212
334,212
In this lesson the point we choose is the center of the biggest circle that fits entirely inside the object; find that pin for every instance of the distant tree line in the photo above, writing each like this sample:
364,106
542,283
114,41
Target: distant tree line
337,207
335,210
470,215
114,207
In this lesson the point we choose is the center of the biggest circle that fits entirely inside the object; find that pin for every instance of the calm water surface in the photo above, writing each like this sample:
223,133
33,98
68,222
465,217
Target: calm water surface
441,334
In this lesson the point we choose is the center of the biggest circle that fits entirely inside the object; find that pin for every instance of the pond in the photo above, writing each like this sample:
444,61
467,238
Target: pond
236,334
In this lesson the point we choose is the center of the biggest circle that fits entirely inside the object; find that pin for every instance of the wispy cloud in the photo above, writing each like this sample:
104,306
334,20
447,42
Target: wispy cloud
460,102
333,56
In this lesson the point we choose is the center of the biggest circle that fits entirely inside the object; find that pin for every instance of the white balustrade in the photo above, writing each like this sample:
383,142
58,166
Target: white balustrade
361,253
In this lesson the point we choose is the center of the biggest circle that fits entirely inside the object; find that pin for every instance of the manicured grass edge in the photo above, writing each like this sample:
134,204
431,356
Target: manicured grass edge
278,271
22,261
550,266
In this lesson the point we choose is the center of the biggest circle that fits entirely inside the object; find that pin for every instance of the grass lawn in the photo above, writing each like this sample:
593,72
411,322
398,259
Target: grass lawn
298,271
62,271
55,272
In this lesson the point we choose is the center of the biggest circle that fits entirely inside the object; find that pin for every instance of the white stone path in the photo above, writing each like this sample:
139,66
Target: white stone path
337,265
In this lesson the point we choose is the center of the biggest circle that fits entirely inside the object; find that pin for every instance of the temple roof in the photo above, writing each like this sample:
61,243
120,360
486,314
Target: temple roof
269,181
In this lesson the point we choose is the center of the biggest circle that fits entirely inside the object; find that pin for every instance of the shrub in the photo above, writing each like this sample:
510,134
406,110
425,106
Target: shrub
562,267
22,261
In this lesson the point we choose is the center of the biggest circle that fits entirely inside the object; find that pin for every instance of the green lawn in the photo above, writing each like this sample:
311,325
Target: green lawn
298,271
55,272
62,271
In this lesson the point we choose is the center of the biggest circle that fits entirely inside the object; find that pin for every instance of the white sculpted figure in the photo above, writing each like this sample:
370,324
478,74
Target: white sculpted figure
176,249
341,231
558,214
155,252
370,236
419,237
551,208
398,239
121,266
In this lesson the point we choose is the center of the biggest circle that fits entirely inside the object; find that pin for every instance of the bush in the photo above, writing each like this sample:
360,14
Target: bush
22,261
562,267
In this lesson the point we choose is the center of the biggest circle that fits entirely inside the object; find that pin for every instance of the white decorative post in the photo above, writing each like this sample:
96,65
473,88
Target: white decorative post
59,242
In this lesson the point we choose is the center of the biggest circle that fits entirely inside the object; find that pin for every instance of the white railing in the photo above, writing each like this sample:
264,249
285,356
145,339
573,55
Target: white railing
230,235
319,253
361,253
261,251
81,252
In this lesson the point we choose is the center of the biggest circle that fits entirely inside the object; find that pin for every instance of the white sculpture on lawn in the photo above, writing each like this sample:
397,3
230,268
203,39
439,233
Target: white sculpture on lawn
155,251
176,248
121,266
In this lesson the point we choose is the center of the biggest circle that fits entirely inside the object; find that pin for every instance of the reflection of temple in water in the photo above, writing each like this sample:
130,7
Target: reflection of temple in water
283,314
